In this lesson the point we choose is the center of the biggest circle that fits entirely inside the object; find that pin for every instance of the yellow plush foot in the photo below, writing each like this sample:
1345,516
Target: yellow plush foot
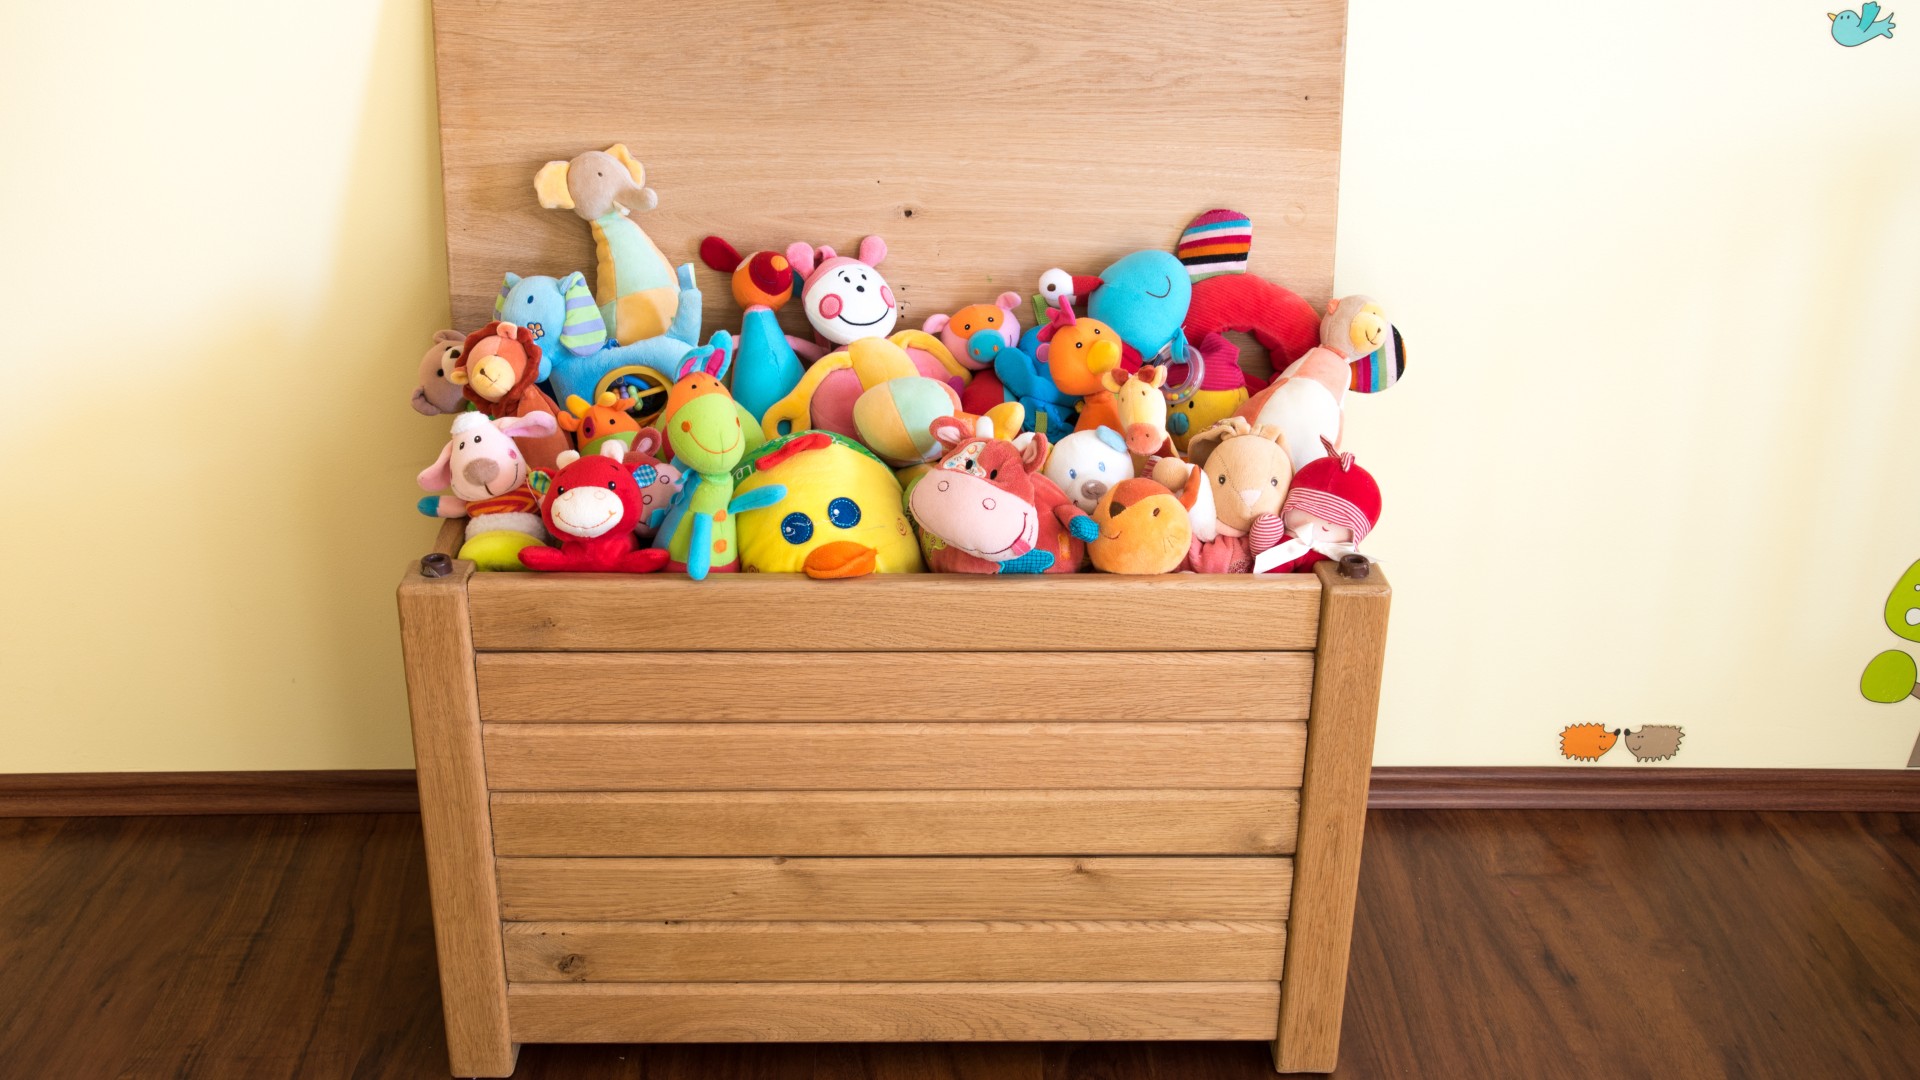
497,550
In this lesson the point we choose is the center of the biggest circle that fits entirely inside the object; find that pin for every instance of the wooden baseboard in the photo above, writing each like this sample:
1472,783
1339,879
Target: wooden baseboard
338,791
1575,787
387,791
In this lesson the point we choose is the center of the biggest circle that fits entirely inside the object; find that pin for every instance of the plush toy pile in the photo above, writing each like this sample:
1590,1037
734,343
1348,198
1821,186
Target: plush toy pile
593,430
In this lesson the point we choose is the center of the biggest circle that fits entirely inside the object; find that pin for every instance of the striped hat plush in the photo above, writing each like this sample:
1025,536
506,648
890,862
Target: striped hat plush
1216,243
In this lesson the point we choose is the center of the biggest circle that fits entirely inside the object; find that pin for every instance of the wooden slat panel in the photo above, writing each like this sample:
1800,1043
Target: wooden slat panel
519,687
1333,816
453,816
892,612
895,823
799,757
585,890
890,1012
896,159
894,951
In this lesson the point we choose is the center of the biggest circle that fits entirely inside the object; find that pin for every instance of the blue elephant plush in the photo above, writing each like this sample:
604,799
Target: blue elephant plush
572,335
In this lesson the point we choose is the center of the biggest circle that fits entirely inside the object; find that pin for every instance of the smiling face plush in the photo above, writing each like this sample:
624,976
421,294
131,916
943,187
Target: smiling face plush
845,299
592,507
981,498
1086,463
1353,326
1144,297
499,365
1143,529
592,496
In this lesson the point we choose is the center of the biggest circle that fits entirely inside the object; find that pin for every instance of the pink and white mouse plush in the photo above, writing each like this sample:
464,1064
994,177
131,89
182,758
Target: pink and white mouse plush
845,298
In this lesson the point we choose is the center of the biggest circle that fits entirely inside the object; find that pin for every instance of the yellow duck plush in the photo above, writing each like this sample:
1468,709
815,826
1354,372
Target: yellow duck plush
843,515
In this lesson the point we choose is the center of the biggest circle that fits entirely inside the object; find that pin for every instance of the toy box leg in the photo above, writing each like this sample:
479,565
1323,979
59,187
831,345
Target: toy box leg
437,640
1333,814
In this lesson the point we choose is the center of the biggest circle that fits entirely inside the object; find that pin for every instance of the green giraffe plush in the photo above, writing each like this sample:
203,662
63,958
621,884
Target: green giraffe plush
709,433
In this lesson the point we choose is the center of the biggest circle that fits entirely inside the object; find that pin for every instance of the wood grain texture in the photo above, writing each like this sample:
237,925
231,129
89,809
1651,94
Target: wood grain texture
311,791
518,687
1333,812
1538,944
887,612
451,537
856,757
846,890
1561,787
891,1012
1643,787
895,951
950,153
438,647
1162,822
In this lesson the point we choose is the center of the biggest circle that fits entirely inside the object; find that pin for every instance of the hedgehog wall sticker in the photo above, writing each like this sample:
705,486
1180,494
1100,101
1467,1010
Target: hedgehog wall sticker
1651,742
1890,677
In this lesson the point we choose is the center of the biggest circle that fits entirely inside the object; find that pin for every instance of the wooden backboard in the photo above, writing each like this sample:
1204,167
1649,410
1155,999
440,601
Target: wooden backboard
985,141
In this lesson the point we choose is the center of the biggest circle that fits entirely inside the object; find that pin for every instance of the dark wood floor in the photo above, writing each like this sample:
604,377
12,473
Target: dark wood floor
1489,944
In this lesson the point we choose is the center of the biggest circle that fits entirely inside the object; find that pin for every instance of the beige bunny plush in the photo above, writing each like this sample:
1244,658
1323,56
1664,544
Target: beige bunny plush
1248,471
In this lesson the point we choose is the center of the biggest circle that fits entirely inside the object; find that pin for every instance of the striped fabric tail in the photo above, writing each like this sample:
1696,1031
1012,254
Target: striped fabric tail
500,302
583,330
1216,243
1381,368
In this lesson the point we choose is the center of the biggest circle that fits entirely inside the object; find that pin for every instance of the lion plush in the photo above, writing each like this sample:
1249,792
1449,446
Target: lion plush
499,372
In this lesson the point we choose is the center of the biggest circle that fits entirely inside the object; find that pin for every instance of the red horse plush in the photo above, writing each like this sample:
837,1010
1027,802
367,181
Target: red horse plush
592,508
993,511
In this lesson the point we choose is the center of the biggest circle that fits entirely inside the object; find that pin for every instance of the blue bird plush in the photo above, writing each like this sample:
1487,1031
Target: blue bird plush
1856,28
1025,380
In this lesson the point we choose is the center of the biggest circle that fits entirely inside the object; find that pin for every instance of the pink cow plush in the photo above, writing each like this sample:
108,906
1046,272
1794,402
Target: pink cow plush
990,510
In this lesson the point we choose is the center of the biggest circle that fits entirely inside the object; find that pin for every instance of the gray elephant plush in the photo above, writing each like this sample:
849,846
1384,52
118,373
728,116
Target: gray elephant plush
636,288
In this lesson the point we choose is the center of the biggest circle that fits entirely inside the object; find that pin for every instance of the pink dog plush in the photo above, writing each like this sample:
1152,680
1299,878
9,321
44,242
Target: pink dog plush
491,486
983,391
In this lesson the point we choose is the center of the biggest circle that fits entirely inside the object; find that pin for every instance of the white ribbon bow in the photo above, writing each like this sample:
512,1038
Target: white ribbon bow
1307,539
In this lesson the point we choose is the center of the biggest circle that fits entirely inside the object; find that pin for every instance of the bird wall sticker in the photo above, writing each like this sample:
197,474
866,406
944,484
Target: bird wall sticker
1852,28
1890,677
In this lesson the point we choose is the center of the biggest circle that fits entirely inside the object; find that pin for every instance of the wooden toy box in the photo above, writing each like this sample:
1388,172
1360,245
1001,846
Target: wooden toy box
918,807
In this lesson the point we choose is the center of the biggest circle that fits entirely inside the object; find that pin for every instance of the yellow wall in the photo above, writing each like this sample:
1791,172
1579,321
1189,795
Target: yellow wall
1659,284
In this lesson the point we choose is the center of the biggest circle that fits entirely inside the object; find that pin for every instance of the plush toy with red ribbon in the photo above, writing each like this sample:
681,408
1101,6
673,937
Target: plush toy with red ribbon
1332,506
